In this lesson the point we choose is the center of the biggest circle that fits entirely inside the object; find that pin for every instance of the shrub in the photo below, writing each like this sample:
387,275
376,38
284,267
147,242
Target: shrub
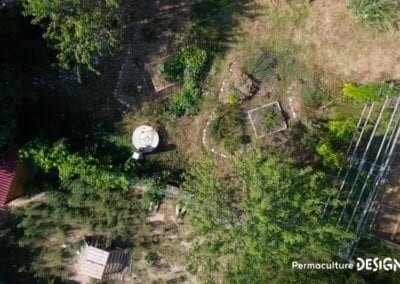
312,97
329,156
261,65
379,14
194,57
174,68
191,59
186,67
228,127
152,194
340,130
233,99
184,101
368,92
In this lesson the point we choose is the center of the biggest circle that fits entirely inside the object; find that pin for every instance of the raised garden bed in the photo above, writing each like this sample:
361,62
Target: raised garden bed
267,119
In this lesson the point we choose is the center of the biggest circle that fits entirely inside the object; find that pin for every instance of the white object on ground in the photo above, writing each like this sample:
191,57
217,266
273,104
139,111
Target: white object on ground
145,139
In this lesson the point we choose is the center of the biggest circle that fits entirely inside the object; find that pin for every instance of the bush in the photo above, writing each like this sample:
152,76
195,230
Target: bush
184,101
194,57
379,14
152,194
261,65
331,146
368,92
329,156
341,131
191,59
174,68
187,67
228,127
312,97
233,99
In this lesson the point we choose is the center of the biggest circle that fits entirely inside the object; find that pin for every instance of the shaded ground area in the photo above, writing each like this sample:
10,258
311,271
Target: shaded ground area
387,222
151,31
161,262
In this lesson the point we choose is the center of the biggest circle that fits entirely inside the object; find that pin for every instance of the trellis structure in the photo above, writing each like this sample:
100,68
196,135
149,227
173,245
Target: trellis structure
370,155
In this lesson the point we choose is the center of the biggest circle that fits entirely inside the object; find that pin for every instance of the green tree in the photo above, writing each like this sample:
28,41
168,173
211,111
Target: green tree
251,224
79,30
70,165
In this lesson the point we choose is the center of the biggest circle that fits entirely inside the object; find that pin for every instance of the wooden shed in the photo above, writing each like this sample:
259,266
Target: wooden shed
98,262
13,177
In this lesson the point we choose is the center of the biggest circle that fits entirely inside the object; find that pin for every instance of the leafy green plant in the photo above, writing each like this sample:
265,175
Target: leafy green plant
379,14
228,127
184,101
190,58
333,141
312,97
70,165
271,119
341,130
195,57
368,92
233,98
330,157
189,68
152,194
261,198
174,68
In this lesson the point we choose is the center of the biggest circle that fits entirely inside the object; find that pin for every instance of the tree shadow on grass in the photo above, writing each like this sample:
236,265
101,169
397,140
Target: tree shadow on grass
215,22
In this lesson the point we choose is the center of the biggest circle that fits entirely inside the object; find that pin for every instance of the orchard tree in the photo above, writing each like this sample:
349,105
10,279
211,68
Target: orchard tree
252,223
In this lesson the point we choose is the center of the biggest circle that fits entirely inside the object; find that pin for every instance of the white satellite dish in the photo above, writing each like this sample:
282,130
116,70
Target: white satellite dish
145,139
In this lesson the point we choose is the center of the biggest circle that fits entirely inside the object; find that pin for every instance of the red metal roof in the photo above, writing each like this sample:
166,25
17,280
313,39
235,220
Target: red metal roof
7,172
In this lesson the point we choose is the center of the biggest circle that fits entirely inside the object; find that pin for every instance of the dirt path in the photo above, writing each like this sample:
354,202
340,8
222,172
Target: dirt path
22,201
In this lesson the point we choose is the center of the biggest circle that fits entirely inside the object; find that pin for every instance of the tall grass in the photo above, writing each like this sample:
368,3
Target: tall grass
379,14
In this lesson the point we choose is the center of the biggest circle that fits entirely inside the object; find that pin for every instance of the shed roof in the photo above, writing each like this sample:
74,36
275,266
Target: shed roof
100,263
7,172
93,261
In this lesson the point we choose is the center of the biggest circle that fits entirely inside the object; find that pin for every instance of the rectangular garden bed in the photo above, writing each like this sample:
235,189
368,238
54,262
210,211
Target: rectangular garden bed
267,119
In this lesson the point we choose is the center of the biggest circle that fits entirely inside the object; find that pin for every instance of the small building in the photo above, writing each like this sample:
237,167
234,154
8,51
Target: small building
98,261
13,176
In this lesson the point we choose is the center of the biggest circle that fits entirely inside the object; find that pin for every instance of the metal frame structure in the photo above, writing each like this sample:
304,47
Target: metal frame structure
360,198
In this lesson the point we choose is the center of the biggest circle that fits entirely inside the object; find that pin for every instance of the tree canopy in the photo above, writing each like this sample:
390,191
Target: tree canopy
276,219
79,30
